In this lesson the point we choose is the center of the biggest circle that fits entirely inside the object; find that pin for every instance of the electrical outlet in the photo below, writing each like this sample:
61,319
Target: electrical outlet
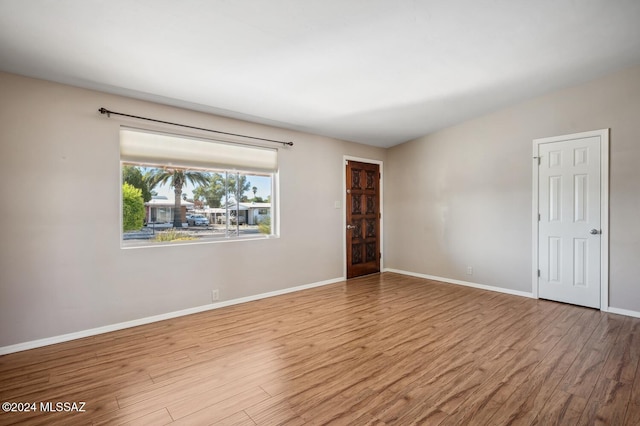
469,270
215,295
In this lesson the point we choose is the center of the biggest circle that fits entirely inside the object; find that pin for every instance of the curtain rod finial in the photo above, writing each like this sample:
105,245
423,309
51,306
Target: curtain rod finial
105,111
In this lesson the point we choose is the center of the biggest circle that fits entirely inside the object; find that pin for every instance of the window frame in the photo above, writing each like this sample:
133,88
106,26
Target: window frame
227,172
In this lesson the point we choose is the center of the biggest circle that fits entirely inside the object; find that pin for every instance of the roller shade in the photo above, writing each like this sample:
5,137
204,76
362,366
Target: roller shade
175,151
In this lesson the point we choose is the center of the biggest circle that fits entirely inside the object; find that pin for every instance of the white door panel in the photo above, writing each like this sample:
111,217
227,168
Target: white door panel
569,201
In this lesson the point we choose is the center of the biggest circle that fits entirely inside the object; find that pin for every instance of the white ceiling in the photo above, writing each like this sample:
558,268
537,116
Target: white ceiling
379,72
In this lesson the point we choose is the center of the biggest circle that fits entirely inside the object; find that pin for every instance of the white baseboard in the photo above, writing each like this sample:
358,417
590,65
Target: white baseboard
142,321
147,320
626,312
609,309
464,283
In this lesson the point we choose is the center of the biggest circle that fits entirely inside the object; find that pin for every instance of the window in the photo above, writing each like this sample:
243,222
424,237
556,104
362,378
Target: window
178,189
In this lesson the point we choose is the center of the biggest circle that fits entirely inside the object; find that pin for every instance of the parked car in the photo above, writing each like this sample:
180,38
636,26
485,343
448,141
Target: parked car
197,220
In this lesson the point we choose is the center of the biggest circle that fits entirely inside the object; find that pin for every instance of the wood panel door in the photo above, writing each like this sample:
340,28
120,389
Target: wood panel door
569,236
363,218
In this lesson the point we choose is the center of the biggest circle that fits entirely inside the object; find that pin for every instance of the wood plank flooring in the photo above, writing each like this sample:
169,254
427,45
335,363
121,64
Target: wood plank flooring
385,349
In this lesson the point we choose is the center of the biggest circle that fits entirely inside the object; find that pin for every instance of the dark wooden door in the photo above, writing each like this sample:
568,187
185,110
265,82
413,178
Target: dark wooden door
363,218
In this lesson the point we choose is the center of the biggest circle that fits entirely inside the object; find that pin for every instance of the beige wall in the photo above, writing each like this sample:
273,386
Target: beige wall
462,196
61,266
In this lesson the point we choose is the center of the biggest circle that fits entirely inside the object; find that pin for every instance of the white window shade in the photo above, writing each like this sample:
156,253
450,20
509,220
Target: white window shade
174,151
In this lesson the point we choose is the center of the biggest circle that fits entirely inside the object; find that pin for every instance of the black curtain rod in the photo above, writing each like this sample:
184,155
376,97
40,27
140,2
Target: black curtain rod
106,111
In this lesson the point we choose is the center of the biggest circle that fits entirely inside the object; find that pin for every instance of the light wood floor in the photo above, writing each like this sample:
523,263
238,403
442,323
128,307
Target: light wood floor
383,349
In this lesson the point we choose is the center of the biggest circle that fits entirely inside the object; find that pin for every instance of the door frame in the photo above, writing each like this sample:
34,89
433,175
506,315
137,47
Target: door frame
346,158
604,209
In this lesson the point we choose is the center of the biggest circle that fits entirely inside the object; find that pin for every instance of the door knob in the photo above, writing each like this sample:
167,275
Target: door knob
594,232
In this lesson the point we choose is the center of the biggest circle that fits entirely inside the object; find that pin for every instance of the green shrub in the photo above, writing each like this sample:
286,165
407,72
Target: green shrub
132,208
264,225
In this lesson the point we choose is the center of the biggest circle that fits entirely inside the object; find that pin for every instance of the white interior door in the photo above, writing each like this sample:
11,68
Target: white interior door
570,222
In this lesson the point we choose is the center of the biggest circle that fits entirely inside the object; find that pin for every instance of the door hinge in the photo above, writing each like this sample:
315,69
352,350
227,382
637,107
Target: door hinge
538,159
538,217
380,255
538,273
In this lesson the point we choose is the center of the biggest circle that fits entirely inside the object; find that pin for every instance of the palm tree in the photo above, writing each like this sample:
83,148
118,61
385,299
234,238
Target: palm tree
176,178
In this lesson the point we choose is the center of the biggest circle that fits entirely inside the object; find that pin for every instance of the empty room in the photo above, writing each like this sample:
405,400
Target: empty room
358,212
